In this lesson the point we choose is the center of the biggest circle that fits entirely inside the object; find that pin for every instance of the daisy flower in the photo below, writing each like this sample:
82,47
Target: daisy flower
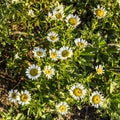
39,52
81,43
49,72
77,91
52,37
33,72
31,13
73,20
99,69
24,98
13,95
100,12
62,108
53,54
65,52
58,13
96,99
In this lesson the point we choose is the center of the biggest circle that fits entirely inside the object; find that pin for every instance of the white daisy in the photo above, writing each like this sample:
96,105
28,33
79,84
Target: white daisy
73,20
58,13
49,72
13,95
39,52
31,13
100,12
96,99
62,108
52,37
33,72
77,91
53,54
81,43
24,98
99,69
65,52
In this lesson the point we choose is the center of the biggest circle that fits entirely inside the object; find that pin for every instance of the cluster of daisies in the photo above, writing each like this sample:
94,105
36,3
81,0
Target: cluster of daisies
58,14
34,71
71,19
78,92
23,97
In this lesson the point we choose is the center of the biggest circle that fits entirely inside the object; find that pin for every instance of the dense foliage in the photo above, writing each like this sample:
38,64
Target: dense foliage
57,62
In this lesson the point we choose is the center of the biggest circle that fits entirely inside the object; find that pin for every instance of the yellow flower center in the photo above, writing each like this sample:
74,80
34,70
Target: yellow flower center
73,21
99,71
24,97
33,72
58,15
48,71
100,12
53,37
14,95
31,14
54,55
81,44
62,108
77,92
39,53
65,53
96,99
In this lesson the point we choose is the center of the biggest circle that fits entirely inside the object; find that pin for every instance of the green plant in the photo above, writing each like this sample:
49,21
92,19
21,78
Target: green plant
85,39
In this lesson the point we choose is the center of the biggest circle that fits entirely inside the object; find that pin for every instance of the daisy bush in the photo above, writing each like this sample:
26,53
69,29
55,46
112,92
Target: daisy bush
61,54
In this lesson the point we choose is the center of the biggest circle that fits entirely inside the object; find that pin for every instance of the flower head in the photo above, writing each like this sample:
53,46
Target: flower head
58,13
31,13
49,72
65,52
39,52
13,95
99,69
96,99
24,98
77,91
81,43
33,72
100,12
53,54
73,20
62,108
52,37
